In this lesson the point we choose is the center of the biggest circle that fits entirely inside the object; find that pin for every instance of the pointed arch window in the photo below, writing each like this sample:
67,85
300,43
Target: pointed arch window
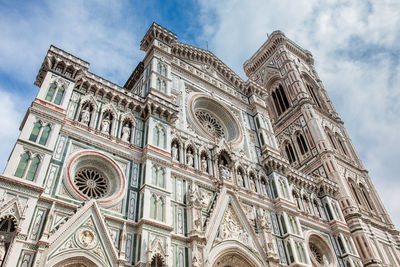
355,193
163,87
51,91
280,100
157,208
159,67
341,145
23,163
33,168
313,95
35,131
45,135
153,203
164,70
161,142
59,95
366,197
302,143
290,153
158,84
156,135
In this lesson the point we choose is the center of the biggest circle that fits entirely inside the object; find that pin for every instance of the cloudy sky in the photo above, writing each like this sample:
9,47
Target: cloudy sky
355,46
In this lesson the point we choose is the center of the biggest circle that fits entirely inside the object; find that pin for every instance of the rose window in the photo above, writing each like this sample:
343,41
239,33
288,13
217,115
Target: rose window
210,124
316,253
91,183
212,119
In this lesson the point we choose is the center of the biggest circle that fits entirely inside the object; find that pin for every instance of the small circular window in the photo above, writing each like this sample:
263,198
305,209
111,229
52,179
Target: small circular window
94,175
91,183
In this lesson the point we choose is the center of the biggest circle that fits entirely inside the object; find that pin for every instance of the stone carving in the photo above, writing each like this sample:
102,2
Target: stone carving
126,133
231,228
239,178
85,116
252,185
204,164
189,158
174,152
105,125
86,238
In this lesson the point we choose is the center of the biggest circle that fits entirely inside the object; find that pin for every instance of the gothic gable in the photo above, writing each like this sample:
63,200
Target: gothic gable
228,224
12,210
85,232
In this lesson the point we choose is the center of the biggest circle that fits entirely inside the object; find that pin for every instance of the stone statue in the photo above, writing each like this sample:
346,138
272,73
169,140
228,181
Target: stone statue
189,158
203,164
224,171
85,116
240,179
105,125
174,152
252,185
2,249
126,133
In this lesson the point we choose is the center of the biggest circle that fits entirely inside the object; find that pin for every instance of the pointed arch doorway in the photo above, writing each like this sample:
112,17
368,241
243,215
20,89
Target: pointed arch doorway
232,259
76,262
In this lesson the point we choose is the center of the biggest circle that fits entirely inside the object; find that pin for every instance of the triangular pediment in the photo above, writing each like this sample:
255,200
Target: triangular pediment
228,223
12,209
84,233
201,69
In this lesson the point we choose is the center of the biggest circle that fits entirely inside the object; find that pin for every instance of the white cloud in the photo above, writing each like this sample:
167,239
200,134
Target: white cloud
355,47
9,120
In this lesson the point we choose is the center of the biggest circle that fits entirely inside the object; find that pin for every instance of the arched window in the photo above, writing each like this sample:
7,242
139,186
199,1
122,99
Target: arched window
164,70
290,153
161,142
50,93
159,67
156,135
45,135
153,203
33,168
297,199
161,177
333,143
158,84
329,212
160,210
290,252
355,193
366,197
302,143
262,139
300,252
8,231
313,95
154,173
283,189
59,95
341,246
283,224
163,87
280,100
35,131
341,145
23,163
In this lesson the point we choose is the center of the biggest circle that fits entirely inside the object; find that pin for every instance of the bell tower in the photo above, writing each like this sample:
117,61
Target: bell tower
313,139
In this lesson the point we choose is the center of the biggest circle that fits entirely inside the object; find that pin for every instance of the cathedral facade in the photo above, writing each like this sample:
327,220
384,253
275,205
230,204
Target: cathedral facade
189,165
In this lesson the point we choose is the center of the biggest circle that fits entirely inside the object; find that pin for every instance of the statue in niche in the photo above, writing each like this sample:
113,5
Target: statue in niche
105,125
189,158
174,152
2,249
85,116
240,178
252,184
126,132
223,169
203,164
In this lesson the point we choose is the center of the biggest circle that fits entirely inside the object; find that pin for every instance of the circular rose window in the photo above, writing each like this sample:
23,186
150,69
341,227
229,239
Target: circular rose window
91,182
94,175
212,119
320,252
